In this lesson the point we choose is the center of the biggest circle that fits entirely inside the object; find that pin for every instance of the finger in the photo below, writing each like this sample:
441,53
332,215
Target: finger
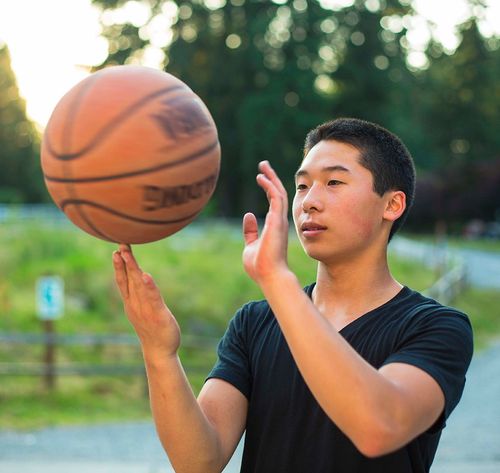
120,274
250,228
274,196
269,172
152,292
134,272
266,168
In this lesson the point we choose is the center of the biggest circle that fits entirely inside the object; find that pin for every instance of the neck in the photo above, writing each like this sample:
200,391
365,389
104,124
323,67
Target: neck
348,289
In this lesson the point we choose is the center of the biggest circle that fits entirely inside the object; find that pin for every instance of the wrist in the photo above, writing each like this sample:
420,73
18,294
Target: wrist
278,280
159,358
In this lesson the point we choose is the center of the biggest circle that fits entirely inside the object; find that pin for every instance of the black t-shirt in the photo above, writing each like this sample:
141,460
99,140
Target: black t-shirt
288,432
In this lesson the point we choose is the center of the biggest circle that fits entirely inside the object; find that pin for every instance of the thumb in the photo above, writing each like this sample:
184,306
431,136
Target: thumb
250,228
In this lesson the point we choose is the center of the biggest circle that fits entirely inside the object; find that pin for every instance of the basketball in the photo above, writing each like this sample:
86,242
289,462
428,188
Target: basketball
130,154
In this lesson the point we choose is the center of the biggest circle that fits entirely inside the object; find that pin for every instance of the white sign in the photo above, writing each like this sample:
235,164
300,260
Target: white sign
50,297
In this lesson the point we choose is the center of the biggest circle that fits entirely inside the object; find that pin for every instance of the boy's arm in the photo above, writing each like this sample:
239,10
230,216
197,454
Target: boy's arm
198,437
379,410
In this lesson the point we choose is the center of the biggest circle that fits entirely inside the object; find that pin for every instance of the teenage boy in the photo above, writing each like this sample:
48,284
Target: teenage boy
354,373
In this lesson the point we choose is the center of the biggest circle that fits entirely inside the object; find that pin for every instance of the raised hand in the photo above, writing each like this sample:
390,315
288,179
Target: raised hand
266,256
153,322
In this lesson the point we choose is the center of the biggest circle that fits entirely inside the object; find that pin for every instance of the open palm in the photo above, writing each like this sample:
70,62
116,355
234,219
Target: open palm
265,255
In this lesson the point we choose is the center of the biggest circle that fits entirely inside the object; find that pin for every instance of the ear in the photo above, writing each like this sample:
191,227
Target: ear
395,205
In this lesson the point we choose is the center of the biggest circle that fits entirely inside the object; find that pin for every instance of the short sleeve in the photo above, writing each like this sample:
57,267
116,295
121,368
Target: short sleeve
233,361
441,344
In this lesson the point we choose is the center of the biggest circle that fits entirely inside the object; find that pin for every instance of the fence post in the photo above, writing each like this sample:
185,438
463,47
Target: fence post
49,357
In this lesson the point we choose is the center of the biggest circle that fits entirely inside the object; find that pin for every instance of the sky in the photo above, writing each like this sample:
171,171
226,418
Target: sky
54,42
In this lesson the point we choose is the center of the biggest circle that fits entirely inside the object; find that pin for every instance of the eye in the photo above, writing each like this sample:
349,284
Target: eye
301,187
334,182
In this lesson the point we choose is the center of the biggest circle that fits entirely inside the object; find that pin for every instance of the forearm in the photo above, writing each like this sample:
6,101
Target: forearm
185,433
361,401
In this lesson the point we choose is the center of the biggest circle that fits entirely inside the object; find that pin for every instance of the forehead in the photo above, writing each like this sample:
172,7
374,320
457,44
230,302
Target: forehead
331,153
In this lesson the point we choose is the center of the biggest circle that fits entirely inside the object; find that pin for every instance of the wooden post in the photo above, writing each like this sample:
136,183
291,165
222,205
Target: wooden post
50,306
49,356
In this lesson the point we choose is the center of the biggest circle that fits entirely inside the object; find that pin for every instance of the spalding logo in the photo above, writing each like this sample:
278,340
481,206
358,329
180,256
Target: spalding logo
162,197
181,117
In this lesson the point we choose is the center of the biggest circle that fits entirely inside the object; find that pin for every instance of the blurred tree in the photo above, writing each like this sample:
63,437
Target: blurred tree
460,100
251,63
21,178
269,70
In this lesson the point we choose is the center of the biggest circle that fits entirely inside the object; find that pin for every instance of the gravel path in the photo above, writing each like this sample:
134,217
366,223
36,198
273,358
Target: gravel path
470,442
483,267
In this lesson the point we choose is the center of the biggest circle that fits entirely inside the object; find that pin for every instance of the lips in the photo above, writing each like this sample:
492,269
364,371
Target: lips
312,227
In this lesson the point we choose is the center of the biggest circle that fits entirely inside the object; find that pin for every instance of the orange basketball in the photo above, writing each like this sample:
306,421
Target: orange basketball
130,154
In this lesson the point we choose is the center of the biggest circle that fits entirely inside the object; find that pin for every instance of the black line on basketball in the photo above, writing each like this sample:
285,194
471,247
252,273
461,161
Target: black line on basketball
75,104
64,203
106,130
92,226
192,157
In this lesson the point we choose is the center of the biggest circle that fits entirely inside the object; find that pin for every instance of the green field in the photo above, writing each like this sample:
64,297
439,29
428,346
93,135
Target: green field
483,244
200,274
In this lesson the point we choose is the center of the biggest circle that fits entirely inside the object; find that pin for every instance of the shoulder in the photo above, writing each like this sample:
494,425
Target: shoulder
437,339
433,331
416,308
257,315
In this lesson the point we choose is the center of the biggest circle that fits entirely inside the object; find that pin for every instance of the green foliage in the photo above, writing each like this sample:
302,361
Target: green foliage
27,405
21,177
193,268
481,305
270,71
200,274
463,90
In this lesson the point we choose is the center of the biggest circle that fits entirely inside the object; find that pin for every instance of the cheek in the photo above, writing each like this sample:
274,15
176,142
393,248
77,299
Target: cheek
364,218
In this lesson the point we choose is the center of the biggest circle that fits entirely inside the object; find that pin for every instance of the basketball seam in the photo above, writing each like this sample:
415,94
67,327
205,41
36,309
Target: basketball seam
91,224
109,127
192,157
77,202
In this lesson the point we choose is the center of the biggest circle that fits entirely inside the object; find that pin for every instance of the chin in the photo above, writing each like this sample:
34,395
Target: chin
321,255
330,254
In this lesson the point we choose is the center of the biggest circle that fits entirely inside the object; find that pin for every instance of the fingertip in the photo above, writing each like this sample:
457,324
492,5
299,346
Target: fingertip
248,217
123,247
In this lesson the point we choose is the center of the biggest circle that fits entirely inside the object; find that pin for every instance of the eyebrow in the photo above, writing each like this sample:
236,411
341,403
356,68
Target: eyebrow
338,168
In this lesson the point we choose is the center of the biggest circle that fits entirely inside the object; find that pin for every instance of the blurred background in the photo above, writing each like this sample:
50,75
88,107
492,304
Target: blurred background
268,71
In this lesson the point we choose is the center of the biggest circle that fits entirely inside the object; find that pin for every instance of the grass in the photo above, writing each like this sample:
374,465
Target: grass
482,244
479,244
200,274
482,307
28,405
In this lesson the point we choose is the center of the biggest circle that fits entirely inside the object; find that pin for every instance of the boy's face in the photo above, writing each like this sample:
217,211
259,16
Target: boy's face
337,213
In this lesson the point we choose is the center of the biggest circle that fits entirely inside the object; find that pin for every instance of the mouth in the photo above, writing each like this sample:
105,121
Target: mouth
310,229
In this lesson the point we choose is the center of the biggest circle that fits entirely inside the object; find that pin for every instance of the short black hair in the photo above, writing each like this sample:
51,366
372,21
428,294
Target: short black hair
381,152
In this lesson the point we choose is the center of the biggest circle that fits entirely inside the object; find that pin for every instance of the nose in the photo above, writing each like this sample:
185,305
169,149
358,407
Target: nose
313,200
